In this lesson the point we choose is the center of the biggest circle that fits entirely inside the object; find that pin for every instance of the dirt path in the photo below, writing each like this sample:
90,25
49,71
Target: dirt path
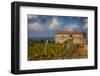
81,52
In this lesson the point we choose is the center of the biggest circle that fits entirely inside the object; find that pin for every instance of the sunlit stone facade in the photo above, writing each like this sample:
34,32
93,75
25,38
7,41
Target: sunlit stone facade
77,37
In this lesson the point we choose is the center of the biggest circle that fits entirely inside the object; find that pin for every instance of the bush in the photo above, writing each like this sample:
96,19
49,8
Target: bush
53,51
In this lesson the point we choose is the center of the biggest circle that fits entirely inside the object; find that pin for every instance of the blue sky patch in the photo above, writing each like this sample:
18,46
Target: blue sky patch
41,26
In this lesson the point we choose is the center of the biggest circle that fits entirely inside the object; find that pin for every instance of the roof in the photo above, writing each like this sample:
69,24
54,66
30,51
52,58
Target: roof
63,32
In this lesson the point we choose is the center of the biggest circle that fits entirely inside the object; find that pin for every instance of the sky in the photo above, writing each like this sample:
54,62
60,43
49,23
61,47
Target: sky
41,26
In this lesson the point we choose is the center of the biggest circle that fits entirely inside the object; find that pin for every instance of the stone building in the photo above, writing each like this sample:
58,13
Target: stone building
78,37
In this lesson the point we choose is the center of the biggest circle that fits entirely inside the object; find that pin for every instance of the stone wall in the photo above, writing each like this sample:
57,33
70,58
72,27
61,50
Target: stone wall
77,37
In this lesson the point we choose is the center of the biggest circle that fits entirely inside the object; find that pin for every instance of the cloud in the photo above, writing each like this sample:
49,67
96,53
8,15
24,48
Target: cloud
35,26
86,24
71,27
55,24
32,16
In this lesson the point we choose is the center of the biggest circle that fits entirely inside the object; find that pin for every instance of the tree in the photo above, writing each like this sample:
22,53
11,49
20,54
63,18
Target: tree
69,48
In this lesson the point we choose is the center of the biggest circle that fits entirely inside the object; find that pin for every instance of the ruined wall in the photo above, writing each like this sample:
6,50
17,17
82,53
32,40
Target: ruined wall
77,38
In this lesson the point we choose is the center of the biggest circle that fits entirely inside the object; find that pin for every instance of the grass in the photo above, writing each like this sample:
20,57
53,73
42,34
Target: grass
53,51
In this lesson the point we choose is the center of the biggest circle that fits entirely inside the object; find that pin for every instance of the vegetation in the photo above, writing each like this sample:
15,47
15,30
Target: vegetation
53,51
